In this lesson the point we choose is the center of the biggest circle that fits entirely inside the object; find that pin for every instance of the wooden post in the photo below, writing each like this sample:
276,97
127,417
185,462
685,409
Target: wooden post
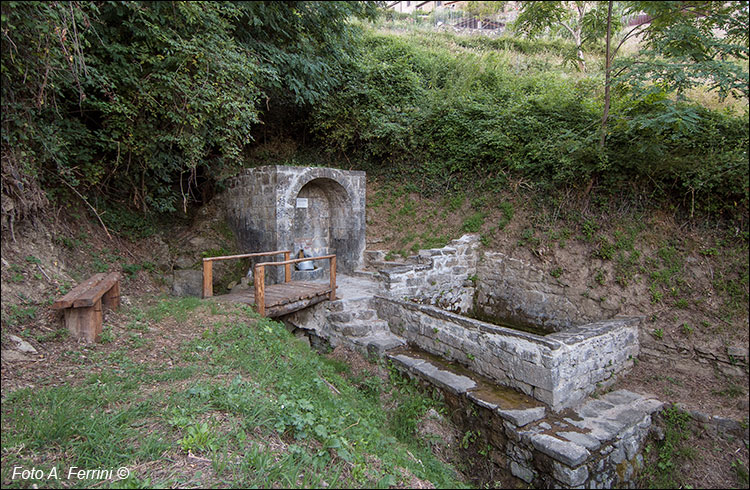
260,294
287,267
208,278
86,322
111,298
333,279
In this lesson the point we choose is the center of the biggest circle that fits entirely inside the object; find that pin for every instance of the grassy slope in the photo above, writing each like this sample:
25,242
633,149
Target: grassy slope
189,394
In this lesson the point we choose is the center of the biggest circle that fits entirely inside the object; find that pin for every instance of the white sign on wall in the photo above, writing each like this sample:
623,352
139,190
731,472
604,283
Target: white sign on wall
301,202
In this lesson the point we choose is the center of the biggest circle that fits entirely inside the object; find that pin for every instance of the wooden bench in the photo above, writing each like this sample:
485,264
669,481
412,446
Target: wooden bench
83,305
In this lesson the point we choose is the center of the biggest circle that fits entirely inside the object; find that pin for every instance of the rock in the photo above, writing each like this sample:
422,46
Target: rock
522,417
590,443
569,453
15,356
184,262
22,345
522,472
160,253
187,283
302,337
569,476
197,242
242,286
737,353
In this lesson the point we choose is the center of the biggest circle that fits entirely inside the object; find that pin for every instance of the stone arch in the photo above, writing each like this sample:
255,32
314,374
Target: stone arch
338,193
319,216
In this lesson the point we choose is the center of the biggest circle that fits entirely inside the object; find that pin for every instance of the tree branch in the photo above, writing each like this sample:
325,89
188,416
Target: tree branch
89,205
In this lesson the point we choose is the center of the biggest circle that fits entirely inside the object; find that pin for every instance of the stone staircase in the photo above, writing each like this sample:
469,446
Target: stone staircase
358,324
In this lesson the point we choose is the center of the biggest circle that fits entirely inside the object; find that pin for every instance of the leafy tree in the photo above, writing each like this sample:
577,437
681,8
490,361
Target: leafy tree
685,44
688,44
484,9
584,22
134,101
300,45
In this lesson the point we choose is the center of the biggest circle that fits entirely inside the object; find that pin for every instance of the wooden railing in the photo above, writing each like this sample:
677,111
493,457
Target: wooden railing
259,278
208,278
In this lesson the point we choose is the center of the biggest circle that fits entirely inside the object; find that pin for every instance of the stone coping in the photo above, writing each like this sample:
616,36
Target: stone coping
595,444
553,341
472,323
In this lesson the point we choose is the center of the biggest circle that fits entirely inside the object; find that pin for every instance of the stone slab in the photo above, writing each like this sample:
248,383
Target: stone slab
522,417
378,344
585,440
566,452
454,383
406,361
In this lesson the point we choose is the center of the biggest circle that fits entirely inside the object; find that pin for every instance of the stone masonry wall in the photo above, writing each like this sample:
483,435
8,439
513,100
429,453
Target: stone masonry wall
251,209
513,291
596,444
441,276
558,370
492,286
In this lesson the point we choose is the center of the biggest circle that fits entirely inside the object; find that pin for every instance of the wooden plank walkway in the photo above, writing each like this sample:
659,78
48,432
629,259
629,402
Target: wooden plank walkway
283,298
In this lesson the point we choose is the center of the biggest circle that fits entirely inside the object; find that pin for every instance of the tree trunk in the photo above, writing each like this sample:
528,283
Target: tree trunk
579,48
608,64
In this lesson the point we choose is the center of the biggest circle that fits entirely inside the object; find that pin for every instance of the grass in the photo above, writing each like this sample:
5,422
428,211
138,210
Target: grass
19,314
665,457
241,400
473,223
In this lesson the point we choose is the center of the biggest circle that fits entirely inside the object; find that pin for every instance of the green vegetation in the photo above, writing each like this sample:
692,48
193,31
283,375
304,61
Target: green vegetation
664,458
507,210
243,395
443,114
132,101
19,314
135,104
474,222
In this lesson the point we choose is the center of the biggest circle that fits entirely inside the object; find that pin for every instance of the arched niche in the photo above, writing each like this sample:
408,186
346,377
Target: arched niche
319,224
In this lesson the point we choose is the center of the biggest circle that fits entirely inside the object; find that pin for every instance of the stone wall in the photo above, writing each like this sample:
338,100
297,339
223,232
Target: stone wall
513,291
593,445
558,369
251,208
491,286
440,276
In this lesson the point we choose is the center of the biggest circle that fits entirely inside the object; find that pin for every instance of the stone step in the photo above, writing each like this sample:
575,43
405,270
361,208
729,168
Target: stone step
352,315
372,275
380,326
354,329
337,305
361,328
379,343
